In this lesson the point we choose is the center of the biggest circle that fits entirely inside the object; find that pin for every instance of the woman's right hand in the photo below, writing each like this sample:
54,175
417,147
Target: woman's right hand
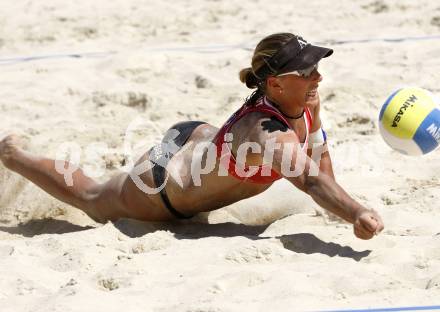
367,224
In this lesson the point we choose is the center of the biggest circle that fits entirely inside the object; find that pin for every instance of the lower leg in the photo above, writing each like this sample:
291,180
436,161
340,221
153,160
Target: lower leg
42,172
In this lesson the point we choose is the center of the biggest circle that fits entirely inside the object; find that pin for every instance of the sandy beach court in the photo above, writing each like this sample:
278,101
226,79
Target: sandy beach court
84,71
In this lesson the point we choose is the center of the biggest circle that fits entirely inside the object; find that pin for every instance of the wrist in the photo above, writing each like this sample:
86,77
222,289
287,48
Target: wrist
357,211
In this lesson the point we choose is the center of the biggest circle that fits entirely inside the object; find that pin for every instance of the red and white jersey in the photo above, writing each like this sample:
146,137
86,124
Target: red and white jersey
228,160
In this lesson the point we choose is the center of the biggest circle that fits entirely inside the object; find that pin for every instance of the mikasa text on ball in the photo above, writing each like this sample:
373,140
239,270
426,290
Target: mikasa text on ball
409,121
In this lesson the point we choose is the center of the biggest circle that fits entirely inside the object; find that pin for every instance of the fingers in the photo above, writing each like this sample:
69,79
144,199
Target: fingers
379,223
368,222
362,233
379,228
367,225
372,221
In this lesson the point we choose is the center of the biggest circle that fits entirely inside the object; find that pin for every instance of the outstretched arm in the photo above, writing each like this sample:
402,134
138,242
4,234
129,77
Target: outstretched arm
321,156
296,166
331,196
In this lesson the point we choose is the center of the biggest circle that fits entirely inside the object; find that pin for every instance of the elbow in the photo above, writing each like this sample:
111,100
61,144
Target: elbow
309,184
303,183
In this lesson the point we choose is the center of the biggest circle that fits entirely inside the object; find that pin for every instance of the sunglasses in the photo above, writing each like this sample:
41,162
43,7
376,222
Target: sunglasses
305,73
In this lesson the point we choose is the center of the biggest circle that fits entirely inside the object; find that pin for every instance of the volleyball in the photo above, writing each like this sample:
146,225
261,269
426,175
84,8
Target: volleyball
409,121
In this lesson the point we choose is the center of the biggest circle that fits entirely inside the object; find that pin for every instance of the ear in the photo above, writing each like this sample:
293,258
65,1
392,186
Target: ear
273,83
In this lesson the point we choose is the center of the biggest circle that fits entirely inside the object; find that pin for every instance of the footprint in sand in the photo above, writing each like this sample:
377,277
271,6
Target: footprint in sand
109,283
376,7
113,279
363,125
137,100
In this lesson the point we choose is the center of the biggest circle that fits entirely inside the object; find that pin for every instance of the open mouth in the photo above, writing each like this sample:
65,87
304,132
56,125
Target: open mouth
312,93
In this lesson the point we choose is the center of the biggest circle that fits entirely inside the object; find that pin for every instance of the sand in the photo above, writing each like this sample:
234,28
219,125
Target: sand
165,62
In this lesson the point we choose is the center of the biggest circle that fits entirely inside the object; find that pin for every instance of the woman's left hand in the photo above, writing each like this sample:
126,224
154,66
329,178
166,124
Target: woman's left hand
314,103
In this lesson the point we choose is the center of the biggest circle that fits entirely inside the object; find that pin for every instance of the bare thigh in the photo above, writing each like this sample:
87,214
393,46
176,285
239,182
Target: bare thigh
128,197
120,197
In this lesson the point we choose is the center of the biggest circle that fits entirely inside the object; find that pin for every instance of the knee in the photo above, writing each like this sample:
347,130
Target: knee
104,202
91,200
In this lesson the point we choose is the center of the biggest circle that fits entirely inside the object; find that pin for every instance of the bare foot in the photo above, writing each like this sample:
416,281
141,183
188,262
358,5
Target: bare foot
10,184
9,146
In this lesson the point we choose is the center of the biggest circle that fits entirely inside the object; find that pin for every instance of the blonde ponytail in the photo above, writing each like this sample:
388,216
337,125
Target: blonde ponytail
247,77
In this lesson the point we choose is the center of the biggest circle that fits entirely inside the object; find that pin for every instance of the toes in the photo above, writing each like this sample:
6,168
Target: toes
8,146
12,141
8,137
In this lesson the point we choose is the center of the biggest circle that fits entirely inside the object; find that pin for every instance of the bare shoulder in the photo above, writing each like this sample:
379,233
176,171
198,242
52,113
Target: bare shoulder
262,133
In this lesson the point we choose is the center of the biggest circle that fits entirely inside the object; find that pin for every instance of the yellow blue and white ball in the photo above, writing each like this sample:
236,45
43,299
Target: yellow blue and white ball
409,121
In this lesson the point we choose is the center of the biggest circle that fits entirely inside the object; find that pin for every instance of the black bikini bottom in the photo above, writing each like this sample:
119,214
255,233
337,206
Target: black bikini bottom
161,154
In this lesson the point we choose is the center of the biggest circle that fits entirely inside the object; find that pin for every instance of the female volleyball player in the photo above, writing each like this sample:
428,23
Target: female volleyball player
275,134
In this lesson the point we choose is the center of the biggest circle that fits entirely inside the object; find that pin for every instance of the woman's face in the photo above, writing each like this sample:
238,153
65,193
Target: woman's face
291,89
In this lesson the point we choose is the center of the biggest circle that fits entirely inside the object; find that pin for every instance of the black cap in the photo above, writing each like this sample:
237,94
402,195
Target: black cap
296,54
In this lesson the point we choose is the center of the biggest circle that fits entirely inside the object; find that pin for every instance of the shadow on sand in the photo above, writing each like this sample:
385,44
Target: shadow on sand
44,226
304,243
307,243
190,230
